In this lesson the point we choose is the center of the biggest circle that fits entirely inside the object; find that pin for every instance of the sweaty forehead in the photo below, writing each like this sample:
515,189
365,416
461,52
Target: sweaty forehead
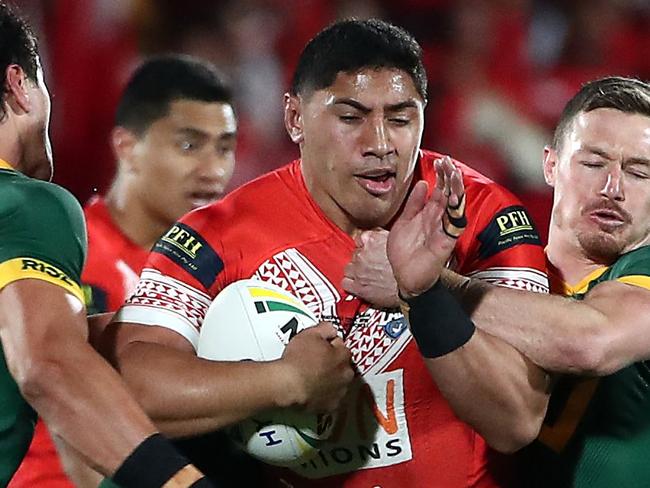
206,116
387,85
610,130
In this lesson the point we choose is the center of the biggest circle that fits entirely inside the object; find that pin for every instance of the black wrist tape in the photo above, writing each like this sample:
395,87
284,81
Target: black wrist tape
454,220
438,322
155,462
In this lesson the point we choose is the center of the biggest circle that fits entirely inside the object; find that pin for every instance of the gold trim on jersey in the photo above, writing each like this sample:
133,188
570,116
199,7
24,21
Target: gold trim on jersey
581,286
642,281
5,165
23,268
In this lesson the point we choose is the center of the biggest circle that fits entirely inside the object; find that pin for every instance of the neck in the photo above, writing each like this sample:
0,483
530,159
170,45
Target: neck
566,256
10,150
132,216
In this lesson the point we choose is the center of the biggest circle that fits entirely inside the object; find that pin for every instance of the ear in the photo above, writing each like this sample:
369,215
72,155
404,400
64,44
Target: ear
16,87
550,165
123,143
293,117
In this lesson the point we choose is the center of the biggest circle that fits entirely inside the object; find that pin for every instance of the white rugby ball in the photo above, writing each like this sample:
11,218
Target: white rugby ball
254,320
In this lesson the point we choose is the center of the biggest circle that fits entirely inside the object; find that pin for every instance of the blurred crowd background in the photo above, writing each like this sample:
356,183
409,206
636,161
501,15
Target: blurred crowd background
499,71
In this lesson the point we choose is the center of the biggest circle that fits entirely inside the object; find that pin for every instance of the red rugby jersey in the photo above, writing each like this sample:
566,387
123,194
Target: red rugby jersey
395,428
109,277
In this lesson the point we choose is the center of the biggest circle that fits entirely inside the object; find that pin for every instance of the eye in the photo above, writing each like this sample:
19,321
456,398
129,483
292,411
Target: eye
400,121
638,173
186,145
349,119
592,164
225,149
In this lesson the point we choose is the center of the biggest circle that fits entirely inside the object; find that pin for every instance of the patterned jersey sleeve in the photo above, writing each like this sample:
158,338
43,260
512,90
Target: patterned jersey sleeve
501,244
43,236
178,281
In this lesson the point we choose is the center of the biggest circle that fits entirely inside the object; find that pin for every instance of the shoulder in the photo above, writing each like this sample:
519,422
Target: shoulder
43,207
479,188
636,262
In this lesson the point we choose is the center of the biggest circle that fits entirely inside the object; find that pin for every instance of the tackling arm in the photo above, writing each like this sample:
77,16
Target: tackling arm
44,335
605,332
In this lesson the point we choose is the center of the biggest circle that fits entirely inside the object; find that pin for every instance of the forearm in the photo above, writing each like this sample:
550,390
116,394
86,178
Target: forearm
556,333
82,400
186,395
82,475
492,387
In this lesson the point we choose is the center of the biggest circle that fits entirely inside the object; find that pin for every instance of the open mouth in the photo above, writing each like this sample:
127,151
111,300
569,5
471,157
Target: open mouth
377,182
201,198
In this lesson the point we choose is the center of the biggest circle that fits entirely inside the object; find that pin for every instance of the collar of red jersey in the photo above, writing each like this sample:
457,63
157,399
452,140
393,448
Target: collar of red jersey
5,165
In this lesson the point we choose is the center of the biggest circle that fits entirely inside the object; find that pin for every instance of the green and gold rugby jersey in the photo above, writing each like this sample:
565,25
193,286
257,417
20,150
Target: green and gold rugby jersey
597,430
43,237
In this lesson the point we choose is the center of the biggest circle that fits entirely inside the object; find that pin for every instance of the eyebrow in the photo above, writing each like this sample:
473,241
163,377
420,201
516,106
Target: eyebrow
359,106
605,155
638,160
190,131
597,152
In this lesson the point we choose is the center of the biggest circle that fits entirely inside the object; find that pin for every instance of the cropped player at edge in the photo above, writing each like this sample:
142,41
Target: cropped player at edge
597,430
355,108
174,144
46,363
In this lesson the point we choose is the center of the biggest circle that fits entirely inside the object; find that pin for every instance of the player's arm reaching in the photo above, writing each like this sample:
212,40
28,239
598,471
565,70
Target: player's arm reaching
605,332
488,383
44,337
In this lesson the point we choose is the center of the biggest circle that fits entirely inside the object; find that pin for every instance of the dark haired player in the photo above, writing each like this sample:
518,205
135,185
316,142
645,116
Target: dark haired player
46,363
174,141
355,109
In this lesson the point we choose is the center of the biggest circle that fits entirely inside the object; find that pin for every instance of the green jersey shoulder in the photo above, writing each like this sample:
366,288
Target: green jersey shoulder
597,430
44,235
632,268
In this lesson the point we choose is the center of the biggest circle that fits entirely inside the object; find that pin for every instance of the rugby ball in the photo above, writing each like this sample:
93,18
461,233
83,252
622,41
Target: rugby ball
254,320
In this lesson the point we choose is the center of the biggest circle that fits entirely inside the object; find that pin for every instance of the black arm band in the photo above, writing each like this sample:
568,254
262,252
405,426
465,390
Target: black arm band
152,464
438,322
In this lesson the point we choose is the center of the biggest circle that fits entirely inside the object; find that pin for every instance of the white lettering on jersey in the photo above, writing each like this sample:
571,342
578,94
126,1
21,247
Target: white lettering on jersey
371,430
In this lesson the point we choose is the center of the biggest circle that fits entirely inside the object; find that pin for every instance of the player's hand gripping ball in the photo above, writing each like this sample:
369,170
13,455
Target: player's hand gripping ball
254,320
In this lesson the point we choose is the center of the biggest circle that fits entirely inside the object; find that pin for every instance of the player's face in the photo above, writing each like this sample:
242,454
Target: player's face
602,183
359,141
185,159
38,149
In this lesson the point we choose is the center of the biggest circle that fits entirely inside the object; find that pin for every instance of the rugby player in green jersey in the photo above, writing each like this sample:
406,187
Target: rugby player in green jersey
46,363
597,428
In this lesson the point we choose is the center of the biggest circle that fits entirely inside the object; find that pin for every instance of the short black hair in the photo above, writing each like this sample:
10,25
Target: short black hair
18,45
161,80
351,45
628,95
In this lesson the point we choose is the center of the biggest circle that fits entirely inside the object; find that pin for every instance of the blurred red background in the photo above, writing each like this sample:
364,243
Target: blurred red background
500,71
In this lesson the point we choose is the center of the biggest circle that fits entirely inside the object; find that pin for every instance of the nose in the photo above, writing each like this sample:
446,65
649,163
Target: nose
377,139
613,187
217,170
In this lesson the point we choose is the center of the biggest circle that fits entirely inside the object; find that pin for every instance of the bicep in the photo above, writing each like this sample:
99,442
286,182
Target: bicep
37,320
624,334
119,337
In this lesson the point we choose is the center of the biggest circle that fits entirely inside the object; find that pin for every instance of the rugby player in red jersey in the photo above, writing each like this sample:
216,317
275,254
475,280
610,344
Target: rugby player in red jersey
47,366
355,108
174,142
